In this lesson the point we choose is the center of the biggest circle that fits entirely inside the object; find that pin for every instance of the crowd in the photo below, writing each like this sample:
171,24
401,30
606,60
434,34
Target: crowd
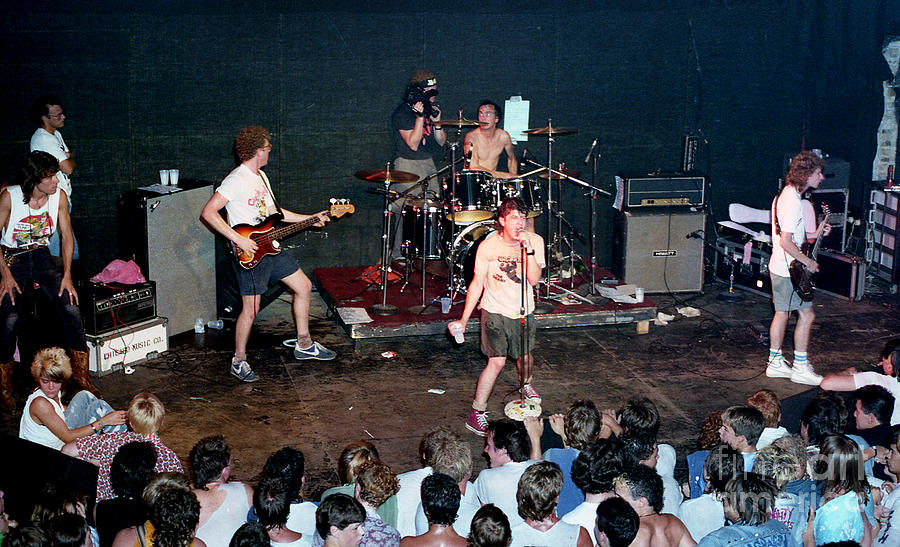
750,482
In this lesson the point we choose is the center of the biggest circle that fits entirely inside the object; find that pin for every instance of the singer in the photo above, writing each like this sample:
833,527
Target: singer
497,284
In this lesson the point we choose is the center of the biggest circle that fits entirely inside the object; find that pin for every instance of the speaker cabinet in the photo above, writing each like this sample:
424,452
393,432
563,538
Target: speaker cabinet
661,252
174,249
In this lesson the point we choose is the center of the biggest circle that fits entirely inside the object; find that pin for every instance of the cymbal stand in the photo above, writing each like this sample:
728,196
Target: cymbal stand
451,271
595,157
384,308
549,238
420,308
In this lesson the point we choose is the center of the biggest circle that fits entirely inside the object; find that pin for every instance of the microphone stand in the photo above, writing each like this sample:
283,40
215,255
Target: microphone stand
510,409
594,161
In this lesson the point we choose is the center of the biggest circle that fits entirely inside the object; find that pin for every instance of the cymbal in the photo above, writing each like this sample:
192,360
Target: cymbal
557,176
380,175
551,131
462,122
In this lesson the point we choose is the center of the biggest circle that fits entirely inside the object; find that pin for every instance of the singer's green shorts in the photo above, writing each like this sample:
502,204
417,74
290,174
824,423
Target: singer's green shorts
501,336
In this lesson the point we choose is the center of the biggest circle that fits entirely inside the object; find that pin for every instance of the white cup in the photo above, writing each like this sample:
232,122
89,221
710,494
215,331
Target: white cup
445,305
457,333
639,294
164,177
173,177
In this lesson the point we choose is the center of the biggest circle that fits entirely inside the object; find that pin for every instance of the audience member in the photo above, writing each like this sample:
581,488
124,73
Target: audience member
26,536
873,407
642,488
741,428
748,501
616,523
490,528
767,403
839,467
454,459
129,472
250,534
173,518
223,503
287,466
68,530
709,437
706,513
851,380
578,428
146,415
339,521
352,457
507,447
887,513
640,448
593,472
538,492
272,501
46,421
440,502
409,497
779,467
375,483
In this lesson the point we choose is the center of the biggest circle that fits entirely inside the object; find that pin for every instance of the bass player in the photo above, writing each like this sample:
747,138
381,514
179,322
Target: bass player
788,235
247,197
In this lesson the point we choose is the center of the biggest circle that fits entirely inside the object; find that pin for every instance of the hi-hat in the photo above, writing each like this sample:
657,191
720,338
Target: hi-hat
382,175
565,173
461,122
550,130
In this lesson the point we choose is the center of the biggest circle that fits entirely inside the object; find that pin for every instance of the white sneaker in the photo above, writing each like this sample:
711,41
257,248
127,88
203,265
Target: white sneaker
779,368
804,374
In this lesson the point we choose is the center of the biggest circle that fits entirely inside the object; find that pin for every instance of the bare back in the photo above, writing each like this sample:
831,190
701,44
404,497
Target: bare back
662,531
437,536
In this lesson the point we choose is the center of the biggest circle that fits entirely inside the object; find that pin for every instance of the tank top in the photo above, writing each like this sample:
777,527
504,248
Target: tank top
39,433
27,226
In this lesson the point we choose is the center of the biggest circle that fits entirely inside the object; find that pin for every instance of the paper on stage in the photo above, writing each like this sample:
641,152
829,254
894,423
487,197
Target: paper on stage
354,316
515,118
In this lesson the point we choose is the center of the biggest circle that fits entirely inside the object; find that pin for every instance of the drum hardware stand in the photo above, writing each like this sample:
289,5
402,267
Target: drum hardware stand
384,308
419,309
594,156
551,240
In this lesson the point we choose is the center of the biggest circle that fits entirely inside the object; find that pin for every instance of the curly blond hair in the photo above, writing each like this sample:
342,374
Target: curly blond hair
52,364
249,140
377,482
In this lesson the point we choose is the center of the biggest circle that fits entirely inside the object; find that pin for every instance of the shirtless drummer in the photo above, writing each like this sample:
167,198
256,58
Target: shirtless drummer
488,141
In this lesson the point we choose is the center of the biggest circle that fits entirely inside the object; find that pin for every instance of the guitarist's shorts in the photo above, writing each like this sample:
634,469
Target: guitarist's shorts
784,297
270,270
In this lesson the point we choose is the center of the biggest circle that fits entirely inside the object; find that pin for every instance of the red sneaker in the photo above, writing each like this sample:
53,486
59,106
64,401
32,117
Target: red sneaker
477,423
528,392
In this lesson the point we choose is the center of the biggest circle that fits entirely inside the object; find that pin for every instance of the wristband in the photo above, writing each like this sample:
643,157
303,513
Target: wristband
94,426
530,254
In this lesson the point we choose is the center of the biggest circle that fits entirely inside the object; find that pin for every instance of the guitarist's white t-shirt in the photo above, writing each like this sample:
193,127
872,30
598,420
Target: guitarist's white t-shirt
789,207
248,195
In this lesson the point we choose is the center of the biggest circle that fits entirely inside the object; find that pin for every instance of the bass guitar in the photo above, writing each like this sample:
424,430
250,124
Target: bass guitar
267,236
803,280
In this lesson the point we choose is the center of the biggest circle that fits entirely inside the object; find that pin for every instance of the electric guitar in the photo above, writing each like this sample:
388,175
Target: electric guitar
803,280
267,237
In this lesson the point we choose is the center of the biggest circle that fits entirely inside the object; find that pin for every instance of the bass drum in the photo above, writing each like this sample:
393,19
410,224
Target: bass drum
464,248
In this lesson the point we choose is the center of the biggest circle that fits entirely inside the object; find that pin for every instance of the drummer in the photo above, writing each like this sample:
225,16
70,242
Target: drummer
488,141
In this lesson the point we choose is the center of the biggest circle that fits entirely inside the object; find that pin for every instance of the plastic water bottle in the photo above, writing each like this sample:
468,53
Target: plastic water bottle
457,332
217,324
199,326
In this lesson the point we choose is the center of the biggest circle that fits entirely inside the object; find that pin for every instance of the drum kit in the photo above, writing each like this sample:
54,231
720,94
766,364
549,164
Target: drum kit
451,226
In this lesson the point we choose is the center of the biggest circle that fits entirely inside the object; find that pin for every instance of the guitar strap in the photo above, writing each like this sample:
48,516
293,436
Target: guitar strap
271,193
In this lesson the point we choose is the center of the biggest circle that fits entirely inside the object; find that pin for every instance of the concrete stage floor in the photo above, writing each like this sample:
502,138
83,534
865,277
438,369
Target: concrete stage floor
690,367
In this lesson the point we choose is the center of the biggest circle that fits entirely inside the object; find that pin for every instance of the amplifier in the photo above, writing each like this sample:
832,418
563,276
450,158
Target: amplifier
107,307
665,191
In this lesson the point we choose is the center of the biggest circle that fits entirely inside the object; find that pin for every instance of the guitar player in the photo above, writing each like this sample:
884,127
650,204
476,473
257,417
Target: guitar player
247,197
788,235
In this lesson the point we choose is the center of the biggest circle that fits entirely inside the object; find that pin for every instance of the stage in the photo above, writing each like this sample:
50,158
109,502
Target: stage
392,390
344,289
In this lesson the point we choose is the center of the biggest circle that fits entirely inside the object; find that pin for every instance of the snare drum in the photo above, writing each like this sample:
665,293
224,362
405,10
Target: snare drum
422,229
525,189
473,196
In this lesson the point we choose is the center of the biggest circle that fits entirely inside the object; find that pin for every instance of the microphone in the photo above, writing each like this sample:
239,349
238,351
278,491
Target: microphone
591,151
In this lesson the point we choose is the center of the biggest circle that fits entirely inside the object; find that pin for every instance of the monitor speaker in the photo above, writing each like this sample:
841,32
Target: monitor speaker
661,252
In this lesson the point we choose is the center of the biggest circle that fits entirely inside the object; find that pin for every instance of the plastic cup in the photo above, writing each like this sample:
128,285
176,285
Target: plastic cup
445,304
457,333
173,177
164,177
